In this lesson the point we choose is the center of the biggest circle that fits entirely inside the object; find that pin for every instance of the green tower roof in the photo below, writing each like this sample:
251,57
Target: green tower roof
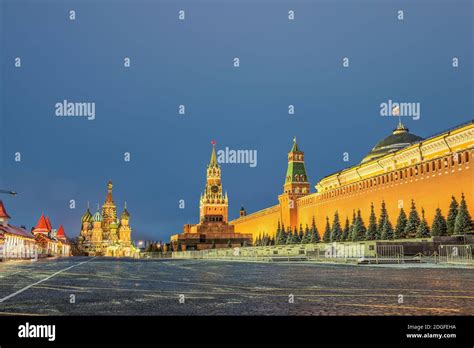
296,168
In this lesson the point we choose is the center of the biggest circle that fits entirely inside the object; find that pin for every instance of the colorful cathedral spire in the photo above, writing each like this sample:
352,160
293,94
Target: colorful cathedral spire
109,198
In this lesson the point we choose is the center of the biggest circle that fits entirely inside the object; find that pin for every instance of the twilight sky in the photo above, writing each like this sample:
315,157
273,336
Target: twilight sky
190,62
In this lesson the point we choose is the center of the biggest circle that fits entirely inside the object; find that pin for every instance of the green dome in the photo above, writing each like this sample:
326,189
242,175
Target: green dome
87,217
399,139
97,217
114,224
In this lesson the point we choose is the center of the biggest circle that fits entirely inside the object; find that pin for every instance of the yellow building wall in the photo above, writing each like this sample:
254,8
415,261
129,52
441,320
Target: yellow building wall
429,190
262,222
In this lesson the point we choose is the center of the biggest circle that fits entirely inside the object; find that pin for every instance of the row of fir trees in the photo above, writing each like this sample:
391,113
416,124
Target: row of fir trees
458,222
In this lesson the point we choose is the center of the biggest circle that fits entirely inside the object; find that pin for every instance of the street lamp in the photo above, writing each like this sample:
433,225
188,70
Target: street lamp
13,193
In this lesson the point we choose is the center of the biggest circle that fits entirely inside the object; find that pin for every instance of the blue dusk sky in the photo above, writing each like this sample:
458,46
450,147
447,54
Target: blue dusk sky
190,62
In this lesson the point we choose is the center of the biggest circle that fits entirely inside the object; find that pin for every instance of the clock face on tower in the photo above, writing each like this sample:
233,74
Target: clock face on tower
214,188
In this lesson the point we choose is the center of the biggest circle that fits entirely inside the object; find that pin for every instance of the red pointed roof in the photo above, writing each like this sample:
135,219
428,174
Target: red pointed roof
48,222
3,212
60,234
41,226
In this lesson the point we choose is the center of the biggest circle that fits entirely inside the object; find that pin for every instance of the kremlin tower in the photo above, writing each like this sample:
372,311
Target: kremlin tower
213,230
296,185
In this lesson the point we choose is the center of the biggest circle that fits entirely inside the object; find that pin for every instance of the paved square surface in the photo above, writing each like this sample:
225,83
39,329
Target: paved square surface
104,286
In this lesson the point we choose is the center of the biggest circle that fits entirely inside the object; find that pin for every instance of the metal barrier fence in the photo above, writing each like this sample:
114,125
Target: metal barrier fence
458,254
389,253
155,255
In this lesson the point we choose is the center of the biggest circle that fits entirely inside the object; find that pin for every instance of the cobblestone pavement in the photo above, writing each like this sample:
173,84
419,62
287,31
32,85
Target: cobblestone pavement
103,286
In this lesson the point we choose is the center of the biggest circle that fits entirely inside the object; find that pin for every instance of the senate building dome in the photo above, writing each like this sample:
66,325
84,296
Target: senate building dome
400,138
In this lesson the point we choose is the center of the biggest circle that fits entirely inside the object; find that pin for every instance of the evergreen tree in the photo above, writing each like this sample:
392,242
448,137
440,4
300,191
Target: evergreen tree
345,232
387,230
314,233
463,223
327,232
336,230
296,237
371,233
438,228
383,216
423,229
399,232
359,231
289,235
301,233
229,244
351,228
413,222
451,220
277,234
282,237
307,236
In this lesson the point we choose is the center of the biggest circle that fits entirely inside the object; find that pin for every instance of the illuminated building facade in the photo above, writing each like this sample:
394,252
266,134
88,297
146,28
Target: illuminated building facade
50,242
213,230
400,168
15,242
103,233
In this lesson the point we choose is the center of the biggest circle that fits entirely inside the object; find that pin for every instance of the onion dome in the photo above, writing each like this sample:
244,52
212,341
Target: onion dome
114,224
87,217
97,217
125,214
399,139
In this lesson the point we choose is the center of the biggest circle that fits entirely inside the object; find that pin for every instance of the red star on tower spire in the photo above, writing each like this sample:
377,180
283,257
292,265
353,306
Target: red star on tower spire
213,142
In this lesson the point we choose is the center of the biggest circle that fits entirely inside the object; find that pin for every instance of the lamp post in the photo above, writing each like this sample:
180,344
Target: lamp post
7,192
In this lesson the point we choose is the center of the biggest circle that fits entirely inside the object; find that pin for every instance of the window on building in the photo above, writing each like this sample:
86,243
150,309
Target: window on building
466,157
